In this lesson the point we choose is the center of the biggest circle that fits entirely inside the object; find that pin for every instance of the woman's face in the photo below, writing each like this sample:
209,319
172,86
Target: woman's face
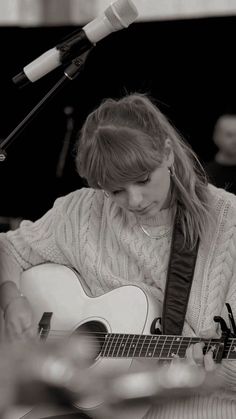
150,194
225,135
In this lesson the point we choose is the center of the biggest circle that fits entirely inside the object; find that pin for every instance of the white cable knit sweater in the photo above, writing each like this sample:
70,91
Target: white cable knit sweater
87,231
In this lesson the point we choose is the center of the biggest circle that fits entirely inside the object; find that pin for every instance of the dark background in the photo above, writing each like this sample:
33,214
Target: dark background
187,65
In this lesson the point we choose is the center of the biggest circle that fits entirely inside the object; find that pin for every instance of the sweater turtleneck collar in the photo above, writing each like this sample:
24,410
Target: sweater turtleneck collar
163,217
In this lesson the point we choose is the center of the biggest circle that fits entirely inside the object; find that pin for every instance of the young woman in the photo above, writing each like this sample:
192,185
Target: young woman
118,231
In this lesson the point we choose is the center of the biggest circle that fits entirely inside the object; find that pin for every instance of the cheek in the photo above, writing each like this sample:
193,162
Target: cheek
225,143
232,144
161,188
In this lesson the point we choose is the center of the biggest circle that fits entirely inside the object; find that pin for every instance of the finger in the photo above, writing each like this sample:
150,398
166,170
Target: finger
209,362
26,320
30,333
194,354
189,355
198,353
13,333
19,330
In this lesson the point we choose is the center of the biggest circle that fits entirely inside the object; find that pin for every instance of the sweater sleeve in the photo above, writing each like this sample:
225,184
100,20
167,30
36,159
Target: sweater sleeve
228,366
32,243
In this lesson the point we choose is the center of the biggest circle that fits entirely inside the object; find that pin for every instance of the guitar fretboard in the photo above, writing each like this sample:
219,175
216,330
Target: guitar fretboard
160,346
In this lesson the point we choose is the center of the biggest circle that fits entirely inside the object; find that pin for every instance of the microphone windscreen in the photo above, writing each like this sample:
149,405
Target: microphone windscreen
121,13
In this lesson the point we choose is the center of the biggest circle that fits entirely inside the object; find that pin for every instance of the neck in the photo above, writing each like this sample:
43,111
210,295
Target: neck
226,159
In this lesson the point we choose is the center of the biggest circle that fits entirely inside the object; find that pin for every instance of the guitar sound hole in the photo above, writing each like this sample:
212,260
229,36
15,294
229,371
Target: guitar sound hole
95,333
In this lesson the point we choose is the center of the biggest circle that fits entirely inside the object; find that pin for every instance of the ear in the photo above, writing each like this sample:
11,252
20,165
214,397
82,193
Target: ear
168,153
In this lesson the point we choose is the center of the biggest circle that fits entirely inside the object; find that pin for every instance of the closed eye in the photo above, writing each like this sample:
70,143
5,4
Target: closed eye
140,182
146,180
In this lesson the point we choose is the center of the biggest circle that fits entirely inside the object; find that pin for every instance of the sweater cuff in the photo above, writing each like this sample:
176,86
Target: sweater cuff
227,374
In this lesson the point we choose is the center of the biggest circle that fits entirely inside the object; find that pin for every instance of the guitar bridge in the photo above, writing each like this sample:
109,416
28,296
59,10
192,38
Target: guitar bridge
44,325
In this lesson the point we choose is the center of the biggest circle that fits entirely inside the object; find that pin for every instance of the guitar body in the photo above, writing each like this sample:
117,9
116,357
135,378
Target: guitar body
59,290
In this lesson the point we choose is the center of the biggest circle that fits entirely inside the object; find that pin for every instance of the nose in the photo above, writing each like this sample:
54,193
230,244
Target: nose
134,197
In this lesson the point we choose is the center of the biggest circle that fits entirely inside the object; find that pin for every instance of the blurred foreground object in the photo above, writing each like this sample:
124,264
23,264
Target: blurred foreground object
55,376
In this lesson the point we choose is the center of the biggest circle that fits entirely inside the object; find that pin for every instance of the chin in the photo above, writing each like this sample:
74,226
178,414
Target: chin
153,211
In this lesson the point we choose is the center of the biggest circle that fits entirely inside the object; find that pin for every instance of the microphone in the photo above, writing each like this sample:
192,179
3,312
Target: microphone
120,14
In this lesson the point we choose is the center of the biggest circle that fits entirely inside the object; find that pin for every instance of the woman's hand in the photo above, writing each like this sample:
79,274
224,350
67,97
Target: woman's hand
195,356
204,365
19,322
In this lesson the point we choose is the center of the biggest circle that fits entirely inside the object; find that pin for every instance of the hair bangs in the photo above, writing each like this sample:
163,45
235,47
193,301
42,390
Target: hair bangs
120,156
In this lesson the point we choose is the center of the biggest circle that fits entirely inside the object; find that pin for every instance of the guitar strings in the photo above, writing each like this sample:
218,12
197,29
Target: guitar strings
119,344
179,340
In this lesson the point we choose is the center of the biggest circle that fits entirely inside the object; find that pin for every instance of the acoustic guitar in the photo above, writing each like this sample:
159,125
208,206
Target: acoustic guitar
118,323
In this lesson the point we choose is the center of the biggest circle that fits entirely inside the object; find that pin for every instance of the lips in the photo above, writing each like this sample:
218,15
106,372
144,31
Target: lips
143,210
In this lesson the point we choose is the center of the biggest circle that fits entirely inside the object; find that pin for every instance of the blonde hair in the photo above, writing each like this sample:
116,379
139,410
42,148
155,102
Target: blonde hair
123,139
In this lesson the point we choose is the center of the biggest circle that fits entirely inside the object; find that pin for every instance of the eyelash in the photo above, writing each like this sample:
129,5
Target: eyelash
145,180
142,182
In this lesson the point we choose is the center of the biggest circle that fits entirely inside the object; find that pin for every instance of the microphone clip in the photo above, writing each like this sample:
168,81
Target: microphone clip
73,70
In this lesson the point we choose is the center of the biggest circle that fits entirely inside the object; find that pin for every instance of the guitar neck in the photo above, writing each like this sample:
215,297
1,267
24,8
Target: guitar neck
162,347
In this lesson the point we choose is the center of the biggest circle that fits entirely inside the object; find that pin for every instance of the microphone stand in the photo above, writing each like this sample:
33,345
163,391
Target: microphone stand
70,73
68,111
